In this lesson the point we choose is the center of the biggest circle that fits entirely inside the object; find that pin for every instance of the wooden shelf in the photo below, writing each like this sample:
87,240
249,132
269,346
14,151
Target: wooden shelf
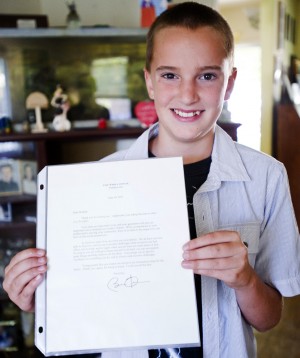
103,32
17,224
22,198
79,134
47,144
16,230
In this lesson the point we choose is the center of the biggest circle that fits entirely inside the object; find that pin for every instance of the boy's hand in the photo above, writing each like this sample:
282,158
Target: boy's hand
221,255
224,256
22,276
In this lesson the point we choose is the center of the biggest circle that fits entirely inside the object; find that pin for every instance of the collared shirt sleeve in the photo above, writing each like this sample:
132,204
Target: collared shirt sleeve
278,258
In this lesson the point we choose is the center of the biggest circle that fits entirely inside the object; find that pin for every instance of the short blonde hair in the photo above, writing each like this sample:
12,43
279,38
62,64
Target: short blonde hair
190,15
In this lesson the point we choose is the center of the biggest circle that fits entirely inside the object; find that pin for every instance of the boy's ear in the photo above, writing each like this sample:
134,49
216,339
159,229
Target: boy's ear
230,84
149,85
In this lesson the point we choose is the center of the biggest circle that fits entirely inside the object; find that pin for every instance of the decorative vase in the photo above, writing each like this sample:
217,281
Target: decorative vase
73,19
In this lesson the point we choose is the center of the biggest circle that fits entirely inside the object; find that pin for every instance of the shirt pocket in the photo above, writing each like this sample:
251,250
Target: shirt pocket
249,234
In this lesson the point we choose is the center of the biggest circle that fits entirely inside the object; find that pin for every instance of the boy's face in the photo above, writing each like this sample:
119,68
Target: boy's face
189,80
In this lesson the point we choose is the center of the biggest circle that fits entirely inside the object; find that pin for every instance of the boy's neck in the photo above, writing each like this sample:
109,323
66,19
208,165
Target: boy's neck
190,152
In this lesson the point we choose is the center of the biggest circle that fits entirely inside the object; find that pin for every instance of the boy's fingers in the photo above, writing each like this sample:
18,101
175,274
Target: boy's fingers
15,282
23,269
216,237
25,254
25,300
23,274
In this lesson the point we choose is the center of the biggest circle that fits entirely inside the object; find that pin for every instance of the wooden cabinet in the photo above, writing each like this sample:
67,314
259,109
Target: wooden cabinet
45,148
49,149
287,148
230,128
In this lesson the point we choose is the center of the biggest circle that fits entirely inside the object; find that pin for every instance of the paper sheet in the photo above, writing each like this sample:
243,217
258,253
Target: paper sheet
114,233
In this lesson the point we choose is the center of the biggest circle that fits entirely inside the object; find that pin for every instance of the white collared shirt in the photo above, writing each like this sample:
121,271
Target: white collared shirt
248,192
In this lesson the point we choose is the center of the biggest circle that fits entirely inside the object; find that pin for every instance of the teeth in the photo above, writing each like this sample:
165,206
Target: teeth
186,114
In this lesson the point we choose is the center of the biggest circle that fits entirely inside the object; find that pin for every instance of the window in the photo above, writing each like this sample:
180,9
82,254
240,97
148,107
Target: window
4,97
245,102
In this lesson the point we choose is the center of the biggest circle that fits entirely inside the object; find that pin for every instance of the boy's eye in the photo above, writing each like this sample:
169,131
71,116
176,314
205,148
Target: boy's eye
208,76
169,76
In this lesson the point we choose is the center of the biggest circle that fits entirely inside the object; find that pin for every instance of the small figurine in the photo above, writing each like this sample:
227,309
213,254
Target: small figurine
37,101
61,103
73,19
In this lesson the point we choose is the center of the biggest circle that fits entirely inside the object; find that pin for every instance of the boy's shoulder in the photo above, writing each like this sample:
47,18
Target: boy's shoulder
239,159
251,154
247,153
258,160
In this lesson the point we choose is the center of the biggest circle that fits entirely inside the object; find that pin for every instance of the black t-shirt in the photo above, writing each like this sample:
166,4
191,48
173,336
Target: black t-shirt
195,175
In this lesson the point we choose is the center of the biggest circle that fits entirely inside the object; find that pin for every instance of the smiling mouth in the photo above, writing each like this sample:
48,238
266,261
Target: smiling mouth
189,114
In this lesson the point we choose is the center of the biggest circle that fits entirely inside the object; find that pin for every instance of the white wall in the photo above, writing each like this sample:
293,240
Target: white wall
20,7
238,19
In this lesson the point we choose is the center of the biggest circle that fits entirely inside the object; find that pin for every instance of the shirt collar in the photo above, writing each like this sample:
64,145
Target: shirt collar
139,149
226,163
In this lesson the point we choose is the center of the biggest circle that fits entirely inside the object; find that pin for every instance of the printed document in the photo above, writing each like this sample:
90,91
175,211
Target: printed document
114,233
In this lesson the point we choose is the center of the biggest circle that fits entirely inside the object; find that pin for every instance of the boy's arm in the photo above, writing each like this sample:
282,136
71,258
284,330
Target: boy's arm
22,276
223,255
260,304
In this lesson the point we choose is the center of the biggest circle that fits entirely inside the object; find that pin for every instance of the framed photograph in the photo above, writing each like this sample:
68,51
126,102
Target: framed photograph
10,183
5,212
9,336
15,21
28,176
282,25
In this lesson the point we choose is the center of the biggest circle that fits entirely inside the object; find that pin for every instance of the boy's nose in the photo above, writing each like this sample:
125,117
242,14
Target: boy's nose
188,92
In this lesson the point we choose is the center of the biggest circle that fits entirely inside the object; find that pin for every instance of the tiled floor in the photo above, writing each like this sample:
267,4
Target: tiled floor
284,340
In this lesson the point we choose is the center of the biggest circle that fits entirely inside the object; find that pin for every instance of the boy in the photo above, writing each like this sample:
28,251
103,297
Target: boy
245,242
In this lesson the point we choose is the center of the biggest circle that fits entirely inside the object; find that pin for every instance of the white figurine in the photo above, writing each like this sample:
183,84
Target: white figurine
62,105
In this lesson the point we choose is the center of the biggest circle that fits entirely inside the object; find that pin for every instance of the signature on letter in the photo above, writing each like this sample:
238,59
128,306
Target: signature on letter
115,283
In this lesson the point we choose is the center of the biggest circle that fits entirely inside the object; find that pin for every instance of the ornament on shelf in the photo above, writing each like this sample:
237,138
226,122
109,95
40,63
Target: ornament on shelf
61,103
73,19
37,101
145,112
147,13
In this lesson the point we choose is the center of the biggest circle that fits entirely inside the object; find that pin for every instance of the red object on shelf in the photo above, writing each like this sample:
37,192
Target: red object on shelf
147,13
102,123
146,113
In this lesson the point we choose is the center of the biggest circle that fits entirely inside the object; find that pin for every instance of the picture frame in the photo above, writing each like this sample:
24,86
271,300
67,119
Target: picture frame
10,179
9,337
13,20
281,27
5,212
28,169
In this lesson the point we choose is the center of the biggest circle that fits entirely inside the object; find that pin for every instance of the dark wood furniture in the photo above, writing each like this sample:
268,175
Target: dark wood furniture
287,147
46,149
230,128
